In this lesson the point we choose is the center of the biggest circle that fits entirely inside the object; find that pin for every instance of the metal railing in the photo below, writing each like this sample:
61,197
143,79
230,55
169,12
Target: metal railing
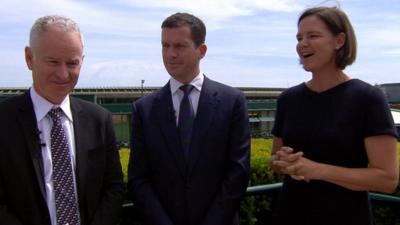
262,189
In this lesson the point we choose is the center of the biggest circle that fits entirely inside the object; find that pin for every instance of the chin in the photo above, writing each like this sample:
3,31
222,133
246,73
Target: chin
175,74
62,90
172,72
307,68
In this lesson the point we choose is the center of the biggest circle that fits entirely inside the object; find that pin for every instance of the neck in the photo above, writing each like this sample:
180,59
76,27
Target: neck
186,79
326,80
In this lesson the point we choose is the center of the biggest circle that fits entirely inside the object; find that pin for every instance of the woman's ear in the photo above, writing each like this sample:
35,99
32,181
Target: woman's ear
340,40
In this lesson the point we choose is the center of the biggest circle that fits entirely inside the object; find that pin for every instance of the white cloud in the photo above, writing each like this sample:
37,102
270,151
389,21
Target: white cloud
251,42
124,72
219,10
393,52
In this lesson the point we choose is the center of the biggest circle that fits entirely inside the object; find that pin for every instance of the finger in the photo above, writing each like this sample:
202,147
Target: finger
287,149
296,177
294,157
281,163
282,154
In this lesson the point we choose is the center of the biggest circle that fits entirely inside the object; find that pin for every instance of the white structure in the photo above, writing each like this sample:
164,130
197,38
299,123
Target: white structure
396,116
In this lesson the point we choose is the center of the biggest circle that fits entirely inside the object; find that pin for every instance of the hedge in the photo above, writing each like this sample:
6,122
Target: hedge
257,209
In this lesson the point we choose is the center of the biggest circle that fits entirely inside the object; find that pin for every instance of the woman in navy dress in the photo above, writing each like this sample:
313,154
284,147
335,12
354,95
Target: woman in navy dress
334,137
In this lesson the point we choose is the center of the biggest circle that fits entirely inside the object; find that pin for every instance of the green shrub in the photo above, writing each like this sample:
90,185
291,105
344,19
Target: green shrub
257,209
124,158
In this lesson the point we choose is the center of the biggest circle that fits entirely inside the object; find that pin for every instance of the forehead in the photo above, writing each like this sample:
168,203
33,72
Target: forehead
55,42
312,23
178,34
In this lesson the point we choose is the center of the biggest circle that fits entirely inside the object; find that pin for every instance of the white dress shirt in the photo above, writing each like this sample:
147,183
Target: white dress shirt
194,95
41,107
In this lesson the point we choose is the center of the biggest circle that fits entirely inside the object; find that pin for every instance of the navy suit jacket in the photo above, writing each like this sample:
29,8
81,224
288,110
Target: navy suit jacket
98,169
208,188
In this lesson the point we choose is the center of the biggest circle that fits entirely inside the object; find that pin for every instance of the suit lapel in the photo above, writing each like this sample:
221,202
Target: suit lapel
207,106
164,114
27,120
80,121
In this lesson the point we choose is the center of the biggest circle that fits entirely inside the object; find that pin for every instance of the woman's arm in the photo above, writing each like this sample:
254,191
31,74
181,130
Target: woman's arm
382,174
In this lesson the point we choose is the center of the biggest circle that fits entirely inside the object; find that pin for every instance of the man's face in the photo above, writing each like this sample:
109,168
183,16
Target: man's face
55,60
180,55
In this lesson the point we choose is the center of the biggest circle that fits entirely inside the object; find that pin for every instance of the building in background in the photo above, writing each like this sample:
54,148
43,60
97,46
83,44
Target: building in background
261,104
392,92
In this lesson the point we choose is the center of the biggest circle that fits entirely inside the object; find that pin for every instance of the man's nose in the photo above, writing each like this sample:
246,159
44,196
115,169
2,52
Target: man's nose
62,71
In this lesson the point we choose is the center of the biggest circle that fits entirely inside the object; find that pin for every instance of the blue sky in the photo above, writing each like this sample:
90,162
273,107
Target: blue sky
251,43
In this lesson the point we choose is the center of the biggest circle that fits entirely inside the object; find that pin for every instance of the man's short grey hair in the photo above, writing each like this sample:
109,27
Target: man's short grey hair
58,22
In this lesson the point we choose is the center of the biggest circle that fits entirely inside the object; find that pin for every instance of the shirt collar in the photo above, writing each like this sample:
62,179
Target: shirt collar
197,82
42,106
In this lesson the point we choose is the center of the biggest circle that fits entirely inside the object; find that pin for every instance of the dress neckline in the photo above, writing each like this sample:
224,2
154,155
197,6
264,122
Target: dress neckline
332,89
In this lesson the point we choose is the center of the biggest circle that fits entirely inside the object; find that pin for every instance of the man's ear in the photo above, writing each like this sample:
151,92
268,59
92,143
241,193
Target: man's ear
203,49
28,57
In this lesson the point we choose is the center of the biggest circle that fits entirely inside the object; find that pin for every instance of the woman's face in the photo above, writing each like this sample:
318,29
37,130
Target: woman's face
316,44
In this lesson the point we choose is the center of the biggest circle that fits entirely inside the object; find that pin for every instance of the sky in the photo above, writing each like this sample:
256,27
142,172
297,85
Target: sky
251,43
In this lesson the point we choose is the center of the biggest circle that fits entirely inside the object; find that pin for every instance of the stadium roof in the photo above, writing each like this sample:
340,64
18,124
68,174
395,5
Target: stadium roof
255,92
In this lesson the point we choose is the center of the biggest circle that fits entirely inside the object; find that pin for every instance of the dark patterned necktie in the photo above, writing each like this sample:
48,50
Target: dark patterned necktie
64,191
186,119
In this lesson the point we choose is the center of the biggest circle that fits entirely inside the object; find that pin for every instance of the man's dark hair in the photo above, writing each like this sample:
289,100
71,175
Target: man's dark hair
197,27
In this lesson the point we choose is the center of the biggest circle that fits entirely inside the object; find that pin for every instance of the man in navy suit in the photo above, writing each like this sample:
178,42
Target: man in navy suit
200,176
89,188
